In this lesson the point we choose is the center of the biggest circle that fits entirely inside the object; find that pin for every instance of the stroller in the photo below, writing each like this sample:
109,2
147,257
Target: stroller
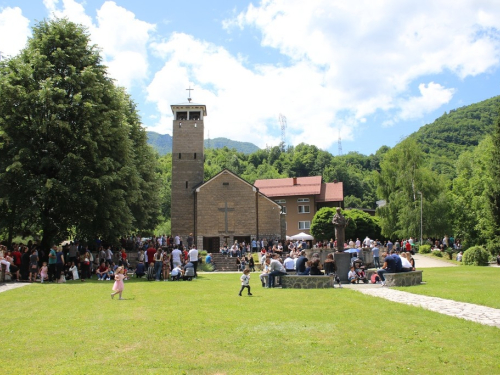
360,268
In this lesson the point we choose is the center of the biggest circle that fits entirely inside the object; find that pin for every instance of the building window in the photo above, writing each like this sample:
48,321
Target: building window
186,184
283,210
182,116
303,200
180,155
304,225
195,156
304,209
194,116
280,201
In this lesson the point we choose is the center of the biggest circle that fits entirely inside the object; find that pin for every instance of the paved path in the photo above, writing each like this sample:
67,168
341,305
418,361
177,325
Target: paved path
468,311
426,262
9,286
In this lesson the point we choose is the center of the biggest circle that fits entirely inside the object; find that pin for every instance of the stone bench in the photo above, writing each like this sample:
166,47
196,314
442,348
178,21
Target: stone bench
307,281
403,278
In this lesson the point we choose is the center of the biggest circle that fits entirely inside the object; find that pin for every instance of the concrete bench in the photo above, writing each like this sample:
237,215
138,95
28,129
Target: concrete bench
307,281
403,278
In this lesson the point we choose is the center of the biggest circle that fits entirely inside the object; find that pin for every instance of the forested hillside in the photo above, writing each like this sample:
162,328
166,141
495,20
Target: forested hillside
162,143
455,132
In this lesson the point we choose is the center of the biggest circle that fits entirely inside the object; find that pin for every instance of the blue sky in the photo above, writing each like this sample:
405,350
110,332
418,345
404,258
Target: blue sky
370,71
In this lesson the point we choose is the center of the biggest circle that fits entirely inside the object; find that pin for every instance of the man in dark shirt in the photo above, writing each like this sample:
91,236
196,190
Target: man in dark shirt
390,266
300,265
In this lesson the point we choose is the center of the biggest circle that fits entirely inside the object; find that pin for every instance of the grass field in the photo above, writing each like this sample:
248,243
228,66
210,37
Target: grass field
477,285
204,327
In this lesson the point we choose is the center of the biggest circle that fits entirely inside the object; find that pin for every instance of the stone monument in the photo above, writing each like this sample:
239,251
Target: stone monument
339,222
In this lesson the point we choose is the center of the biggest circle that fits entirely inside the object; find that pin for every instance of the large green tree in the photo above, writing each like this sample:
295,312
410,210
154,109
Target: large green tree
73,154
403,180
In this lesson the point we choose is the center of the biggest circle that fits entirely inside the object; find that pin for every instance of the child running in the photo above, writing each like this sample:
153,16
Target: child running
245,281
118,286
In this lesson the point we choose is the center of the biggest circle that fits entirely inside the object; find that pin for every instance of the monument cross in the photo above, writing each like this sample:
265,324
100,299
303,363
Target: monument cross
226,210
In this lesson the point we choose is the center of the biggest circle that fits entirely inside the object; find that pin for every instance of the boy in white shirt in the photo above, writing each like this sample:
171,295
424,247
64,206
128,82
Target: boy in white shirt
245,281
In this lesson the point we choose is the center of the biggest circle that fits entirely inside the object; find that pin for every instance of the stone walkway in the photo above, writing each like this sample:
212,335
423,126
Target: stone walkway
468,311
10,286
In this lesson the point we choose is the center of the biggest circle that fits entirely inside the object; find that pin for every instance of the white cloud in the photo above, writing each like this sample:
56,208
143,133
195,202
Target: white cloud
244,104
122,37
372,51
14,31
432,97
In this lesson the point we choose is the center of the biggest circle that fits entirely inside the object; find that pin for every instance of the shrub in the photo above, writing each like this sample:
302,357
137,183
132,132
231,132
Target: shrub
437,253
206,267
476,256
424,249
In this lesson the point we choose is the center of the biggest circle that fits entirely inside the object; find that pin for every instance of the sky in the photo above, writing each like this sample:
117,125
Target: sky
366,72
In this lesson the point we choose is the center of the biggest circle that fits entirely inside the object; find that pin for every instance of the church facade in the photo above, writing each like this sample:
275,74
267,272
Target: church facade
223,209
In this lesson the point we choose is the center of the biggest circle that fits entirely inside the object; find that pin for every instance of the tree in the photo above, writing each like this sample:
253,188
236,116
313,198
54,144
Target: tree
322,226
71,140
365,225
401,180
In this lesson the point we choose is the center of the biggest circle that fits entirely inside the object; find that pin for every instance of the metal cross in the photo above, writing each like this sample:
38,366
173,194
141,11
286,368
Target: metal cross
189,89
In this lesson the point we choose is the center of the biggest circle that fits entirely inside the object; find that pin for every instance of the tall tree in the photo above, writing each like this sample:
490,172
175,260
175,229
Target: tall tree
402,181
67,137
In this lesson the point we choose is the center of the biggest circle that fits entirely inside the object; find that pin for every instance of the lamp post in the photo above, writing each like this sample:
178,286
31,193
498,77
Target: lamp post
421,221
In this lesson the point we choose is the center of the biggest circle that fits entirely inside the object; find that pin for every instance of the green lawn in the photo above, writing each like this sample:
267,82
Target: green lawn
203,327
477,285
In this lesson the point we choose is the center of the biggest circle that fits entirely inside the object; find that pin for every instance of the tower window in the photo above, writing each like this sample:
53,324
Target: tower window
180,156
194,115
195,156
181,116
186,184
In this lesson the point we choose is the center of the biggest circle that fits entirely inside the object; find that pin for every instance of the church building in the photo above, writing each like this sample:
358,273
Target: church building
223,209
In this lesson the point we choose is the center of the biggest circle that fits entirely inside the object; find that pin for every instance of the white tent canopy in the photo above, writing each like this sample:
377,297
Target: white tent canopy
302,236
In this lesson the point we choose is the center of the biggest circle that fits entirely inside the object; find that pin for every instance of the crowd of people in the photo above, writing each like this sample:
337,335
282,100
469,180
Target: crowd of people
156,257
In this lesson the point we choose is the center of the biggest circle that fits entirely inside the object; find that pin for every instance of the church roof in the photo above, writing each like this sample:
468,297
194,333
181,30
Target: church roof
227,171
282,187
190,104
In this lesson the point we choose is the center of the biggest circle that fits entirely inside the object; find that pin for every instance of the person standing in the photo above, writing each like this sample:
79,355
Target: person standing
245,281
176,257
158,257
59,263
52,262
193,258
376,257
190,240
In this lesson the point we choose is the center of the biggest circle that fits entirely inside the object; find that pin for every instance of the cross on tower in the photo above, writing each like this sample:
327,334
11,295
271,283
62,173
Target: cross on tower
189,89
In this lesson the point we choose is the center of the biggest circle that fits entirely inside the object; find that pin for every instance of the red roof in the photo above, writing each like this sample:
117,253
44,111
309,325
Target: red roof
282,187
331,192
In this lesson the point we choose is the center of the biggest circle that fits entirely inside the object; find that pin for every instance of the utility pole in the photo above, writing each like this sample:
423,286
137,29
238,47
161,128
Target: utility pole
421,220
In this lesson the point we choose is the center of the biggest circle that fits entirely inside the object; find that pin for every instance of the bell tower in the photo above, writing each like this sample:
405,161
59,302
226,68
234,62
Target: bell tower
187,164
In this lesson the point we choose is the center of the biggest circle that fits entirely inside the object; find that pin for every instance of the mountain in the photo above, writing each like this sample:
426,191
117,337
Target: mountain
457,131
163,143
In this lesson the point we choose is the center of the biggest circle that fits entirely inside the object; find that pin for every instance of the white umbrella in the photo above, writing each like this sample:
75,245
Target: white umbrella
302,236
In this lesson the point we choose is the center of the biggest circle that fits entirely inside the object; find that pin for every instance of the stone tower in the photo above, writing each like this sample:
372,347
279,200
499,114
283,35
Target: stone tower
187,165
